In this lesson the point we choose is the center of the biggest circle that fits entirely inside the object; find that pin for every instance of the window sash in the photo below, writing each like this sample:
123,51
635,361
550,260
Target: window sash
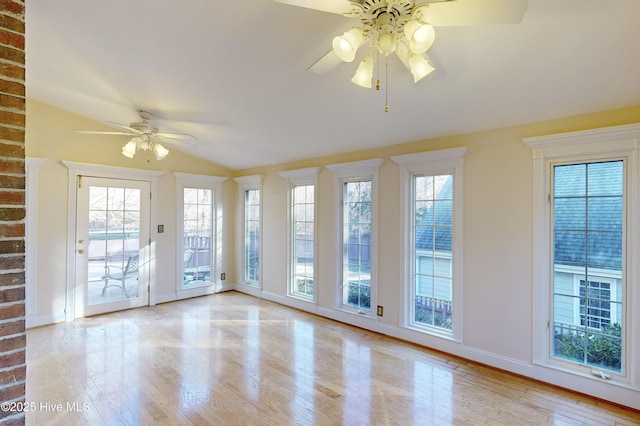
357,227
588,223
431,212
252,236
302,260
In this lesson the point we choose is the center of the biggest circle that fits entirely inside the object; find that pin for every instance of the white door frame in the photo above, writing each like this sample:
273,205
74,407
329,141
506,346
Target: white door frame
96,170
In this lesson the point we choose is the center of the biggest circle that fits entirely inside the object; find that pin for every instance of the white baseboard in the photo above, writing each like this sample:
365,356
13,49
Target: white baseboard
33,321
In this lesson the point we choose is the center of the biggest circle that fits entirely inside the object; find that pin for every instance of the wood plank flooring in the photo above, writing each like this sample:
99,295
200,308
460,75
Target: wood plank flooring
231,359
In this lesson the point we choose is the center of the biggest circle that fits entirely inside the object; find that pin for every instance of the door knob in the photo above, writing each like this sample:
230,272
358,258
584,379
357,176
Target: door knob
81,251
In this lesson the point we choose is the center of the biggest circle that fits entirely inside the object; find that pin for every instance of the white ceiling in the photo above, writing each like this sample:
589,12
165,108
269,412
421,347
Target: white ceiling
232,73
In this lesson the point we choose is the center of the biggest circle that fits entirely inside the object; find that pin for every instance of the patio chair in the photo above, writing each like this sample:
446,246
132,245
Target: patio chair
129,271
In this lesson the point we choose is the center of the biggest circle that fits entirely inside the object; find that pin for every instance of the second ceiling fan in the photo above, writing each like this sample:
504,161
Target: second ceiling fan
403,27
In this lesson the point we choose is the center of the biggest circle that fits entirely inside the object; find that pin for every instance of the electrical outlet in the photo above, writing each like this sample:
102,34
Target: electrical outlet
380,310
160,229
223,276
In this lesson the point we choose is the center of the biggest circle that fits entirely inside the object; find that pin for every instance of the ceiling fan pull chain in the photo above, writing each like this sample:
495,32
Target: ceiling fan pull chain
378,70
386,84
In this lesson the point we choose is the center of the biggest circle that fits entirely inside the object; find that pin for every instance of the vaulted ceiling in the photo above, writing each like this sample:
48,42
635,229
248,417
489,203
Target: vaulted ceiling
232,73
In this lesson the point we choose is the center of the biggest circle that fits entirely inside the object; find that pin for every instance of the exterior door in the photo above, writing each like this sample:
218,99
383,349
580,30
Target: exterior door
112,245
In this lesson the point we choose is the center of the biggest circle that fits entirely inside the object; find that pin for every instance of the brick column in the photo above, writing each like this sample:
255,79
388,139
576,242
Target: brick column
12,209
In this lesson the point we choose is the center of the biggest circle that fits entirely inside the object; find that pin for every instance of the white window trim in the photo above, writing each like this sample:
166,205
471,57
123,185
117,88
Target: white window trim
306,176
446,161
246,183
606,143
346,172
214,183
31,236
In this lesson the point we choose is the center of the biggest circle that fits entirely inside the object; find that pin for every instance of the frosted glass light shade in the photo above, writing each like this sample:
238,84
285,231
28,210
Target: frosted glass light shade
421,36
160,151
420,67
364,73
346,45
129,150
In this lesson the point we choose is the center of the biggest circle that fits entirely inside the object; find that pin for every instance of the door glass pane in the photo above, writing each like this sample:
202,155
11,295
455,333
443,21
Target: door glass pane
114,244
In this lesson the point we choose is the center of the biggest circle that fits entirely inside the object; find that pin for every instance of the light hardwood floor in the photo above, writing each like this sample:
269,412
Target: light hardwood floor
231,359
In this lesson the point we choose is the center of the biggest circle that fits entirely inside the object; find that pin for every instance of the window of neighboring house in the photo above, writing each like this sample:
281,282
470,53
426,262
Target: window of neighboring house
431,189
301,227
585,208
199,223
252,208
356,200
595,304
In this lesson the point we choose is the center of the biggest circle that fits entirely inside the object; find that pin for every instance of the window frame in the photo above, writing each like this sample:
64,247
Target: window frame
213,183
250,183
295,178
353,172
606,144
431,163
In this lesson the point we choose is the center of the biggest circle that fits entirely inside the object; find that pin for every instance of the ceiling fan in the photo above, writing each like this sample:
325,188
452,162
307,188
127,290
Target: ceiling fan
403,27
145,137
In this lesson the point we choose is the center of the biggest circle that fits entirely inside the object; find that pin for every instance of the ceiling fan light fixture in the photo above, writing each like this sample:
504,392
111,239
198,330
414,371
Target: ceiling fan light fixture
364,73
160,151
346,45
420,67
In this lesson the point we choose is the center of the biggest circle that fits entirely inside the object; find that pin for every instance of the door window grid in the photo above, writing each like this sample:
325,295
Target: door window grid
114,240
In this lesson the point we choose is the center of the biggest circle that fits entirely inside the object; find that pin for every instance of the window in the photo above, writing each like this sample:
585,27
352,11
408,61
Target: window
200,230
252,208
356,244
585,214
432,233
301,229
431,189
588,217
356,210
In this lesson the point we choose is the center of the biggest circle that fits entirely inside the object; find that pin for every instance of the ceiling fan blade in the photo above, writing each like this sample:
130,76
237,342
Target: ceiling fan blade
175,142
473,12
325,64
332,6
96,132
130,129
173,135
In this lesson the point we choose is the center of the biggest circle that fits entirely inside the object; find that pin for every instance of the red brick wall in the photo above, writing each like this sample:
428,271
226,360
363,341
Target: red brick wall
12,210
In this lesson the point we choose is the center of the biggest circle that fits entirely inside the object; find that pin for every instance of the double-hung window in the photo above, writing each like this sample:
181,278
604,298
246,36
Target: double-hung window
251,196
200,232
431,200
356,193
301,241
585,237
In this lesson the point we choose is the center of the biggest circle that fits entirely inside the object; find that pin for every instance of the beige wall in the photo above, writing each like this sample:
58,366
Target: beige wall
498,220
